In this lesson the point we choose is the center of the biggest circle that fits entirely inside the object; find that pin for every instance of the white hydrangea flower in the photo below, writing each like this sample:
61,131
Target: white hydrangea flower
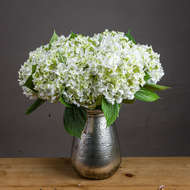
83,68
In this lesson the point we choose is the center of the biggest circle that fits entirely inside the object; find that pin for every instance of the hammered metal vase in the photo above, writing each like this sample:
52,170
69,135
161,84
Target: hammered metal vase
96,155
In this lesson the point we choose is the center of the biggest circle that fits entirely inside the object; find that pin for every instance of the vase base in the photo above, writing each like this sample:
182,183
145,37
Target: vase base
97,173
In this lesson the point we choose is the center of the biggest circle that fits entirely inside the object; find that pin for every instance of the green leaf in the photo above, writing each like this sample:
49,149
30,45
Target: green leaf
126,101
74,120
33,68
147,76
72,35
53,39
29,83
146,95
111,112
154,87
61,99
35,105
128,34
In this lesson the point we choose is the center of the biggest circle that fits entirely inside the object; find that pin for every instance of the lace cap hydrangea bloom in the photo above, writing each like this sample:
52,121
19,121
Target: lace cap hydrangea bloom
82,69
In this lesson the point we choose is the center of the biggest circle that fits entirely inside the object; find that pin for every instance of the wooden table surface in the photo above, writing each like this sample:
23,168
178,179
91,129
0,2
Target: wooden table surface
57,174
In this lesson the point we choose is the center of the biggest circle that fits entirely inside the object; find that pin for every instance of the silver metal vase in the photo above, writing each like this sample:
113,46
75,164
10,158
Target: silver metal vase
96,155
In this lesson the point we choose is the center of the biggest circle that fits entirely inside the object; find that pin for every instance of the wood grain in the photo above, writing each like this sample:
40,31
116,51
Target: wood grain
57,174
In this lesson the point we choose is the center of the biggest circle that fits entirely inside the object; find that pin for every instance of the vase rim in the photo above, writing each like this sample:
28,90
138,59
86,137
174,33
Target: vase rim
95,112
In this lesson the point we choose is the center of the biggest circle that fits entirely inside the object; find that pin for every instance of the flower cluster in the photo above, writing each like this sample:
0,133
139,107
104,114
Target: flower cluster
82,69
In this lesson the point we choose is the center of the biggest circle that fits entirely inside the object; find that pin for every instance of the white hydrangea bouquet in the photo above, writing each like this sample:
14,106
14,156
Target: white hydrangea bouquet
98,72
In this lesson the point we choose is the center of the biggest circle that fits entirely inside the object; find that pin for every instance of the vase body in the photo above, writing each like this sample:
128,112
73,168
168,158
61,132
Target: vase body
96,155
